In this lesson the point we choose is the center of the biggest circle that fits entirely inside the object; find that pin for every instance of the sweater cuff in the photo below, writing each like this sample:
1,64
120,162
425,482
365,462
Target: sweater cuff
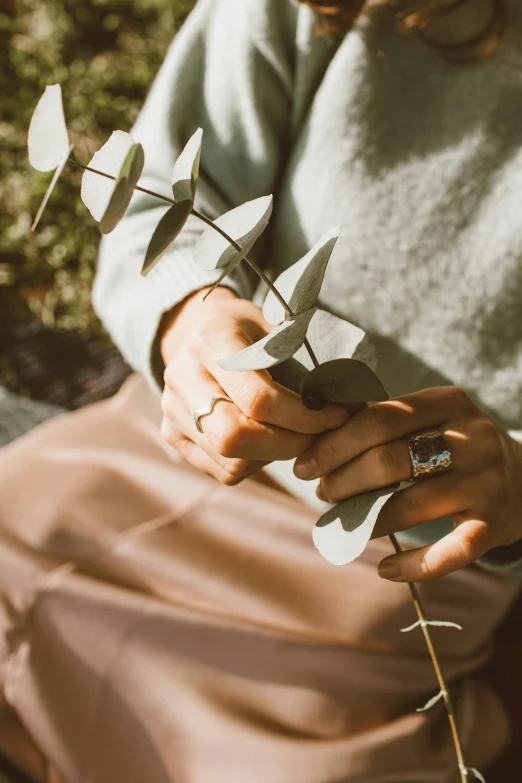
506,560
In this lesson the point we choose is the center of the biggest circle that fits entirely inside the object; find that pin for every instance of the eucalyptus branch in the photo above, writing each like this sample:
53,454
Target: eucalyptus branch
250,261
338,379
444,690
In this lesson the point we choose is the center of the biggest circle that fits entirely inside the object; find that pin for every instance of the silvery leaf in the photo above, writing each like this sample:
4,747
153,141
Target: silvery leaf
165,233
96,191
123,192
277,346
331,338
51,187
186,169
341,381
342,534
300,284
48,141
244,225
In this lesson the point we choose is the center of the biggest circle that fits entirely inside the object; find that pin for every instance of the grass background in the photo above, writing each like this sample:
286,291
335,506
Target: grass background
105,54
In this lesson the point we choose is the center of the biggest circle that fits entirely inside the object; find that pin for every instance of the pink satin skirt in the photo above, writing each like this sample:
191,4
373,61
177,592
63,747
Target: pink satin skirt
157,627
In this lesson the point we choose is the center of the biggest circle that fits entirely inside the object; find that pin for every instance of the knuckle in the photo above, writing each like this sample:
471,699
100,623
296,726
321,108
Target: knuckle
228,441
468,547
256,403
237,468
385,463
329,452
412,504
376,423
458,399
491,440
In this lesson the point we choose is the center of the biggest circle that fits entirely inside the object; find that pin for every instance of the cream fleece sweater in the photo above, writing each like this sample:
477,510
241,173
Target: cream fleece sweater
419,162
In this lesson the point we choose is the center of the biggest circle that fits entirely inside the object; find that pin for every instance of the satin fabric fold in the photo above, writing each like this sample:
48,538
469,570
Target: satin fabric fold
156,626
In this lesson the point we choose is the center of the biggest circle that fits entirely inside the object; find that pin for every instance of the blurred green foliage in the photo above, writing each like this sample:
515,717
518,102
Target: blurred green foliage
105,54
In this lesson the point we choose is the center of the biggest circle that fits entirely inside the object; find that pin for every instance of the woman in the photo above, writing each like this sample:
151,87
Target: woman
162,626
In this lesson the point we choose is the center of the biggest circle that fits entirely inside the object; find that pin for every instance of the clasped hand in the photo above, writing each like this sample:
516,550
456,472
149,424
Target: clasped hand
482,490
263,422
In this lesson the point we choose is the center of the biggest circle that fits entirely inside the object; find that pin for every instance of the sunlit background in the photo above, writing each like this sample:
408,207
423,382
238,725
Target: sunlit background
105,54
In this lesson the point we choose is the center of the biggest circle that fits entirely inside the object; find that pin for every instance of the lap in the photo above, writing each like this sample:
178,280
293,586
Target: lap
163,627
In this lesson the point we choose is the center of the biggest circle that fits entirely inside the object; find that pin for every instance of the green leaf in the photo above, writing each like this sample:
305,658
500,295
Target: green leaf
52,184
96,190
300,284
48,141
186,169
277,346
331,338
127,180
341,535
165,233
341,381
244,225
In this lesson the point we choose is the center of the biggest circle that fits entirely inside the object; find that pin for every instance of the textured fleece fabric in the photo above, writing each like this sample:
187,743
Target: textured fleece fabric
419,162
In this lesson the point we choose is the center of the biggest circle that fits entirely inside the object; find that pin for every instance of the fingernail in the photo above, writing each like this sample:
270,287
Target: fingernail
305,468
320,494
389,570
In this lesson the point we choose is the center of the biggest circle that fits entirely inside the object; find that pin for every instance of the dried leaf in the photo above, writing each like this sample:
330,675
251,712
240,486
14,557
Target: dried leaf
342,533
186,169
48,141
96,190
244,225
434,623
54,180
300,284
165,233
331,338
431,702
272,349
341,381
478,775
127,180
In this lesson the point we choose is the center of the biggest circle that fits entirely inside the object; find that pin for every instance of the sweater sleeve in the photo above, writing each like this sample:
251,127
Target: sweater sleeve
229,71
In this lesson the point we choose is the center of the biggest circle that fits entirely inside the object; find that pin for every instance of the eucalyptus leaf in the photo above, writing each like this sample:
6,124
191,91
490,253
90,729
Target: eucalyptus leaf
331,338
54,180
341,381
300,284
96,190
48,141
165,233
277,346
341,535
123,192
243,224
186,169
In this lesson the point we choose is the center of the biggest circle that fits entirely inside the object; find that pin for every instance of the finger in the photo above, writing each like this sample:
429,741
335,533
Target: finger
469,541
226,471
424,501
388,464
381,423
259,397
227,431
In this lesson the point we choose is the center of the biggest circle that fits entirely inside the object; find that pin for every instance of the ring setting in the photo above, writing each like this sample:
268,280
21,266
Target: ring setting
429,453
207,409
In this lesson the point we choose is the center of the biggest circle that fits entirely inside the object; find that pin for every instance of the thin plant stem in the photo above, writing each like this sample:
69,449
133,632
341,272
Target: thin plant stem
250,261
417,601
421,613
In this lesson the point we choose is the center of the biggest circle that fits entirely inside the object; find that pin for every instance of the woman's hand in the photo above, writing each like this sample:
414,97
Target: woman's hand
482,489
262,422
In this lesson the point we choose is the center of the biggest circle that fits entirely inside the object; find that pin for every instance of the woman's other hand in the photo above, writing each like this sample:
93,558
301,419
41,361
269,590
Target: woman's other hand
482,489
262,422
